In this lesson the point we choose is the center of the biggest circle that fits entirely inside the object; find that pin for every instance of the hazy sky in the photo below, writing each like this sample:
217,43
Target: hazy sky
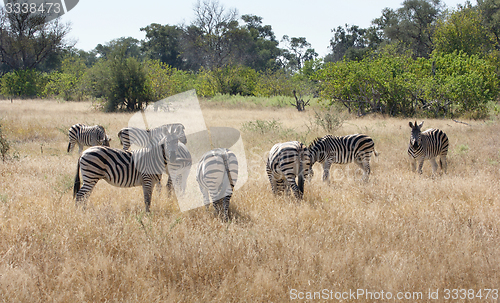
97,21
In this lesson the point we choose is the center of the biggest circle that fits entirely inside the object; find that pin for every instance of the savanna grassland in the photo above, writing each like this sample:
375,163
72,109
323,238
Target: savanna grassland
400,232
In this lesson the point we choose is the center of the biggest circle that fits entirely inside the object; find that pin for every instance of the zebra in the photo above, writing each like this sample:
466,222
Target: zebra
427,145
342,150
178,170
141,137
217,174
285,162
87,136
143,167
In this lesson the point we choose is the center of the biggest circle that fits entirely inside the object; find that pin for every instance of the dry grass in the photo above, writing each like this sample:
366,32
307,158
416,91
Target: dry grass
400,232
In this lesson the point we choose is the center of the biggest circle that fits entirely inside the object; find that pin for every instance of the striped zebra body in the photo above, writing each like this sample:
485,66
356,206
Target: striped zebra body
84,135
121,168
286,162
178,170
142,138
330,149
217,174
427,145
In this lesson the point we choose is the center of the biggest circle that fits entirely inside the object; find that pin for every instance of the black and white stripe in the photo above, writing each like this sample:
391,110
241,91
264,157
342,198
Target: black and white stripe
330,149
143,167
87,136
427,145
142,138
286,162
217,174
178,170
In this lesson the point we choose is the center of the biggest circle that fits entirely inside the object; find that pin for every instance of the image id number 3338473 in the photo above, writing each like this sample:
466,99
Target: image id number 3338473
32,7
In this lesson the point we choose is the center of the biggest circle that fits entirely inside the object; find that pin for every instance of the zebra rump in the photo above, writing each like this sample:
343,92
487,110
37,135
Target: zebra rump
142,137
143,167
342,150
85,135
217,174
286,162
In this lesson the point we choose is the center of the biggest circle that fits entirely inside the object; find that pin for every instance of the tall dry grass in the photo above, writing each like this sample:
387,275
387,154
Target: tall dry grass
401,232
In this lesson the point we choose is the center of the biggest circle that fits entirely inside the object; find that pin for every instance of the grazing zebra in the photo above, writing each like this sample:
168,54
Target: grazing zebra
87,136
141,137
342,150
216,175
178,170
427,145
143,167
287,161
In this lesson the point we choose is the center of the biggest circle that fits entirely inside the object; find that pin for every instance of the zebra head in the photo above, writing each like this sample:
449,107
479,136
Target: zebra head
103,139
415,138
170,144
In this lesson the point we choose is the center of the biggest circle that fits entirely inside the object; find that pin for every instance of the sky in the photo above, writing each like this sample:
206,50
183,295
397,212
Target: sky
96,21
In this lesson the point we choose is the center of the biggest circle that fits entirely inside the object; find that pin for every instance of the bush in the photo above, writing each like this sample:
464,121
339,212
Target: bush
27,83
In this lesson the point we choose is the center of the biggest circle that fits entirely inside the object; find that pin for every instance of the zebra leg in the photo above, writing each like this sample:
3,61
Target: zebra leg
71,145
434,165
365,166
442,163
420,165
295,189
80,148
413,163
326,170
84,193
169,186
226,207
206,197
147,189
218,207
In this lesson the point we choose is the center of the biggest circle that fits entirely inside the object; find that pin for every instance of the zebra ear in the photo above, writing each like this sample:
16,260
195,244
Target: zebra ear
410,124
421,124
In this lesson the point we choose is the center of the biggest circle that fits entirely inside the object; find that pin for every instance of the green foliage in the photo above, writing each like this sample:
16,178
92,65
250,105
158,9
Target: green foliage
232,80
462,31
164,80
396,84
128,90
121,81
23,83
64,83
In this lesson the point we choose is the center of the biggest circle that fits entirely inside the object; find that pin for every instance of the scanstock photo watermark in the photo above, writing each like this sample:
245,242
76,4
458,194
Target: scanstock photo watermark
47,9
184,109
483,294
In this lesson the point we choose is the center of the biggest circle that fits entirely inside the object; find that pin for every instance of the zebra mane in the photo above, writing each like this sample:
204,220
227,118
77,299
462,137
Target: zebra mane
314,142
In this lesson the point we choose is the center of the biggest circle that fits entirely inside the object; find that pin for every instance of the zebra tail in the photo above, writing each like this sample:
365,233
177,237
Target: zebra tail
376,153
69,145
300,181
77,184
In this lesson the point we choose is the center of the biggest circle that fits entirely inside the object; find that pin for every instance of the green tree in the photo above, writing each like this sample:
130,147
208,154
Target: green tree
164,80
64,83
490,13
352,42
120,80
127,45
27,83
412,24
26,41
462,31
163,42
296,52
209,40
